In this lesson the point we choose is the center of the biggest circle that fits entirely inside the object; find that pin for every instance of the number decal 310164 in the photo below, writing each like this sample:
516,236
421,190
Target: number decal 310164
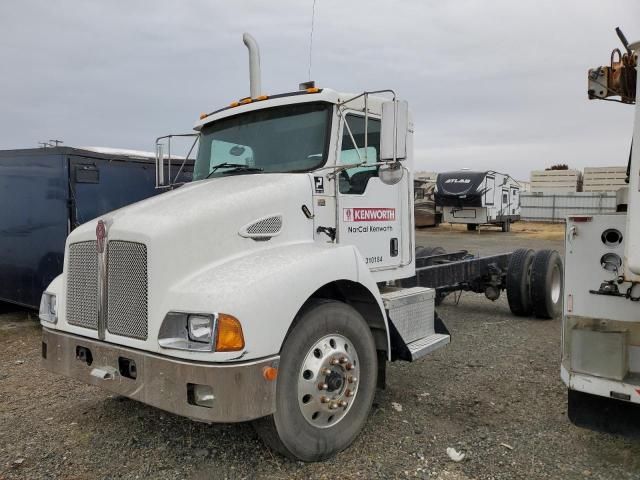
368,260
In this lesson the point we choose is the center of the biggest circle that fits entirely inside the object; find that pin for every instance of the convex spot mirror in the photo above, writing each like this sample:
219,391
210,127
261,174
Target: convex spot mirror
394,129
391,173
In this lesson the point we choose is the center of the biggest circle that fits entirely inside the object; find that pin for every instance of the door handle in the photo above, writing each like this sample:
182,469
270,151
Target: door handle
393,247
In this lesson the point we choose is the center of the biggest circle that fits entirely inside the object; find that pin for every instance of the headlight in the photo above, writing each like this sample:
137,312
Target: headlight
200,328
48,308
217,332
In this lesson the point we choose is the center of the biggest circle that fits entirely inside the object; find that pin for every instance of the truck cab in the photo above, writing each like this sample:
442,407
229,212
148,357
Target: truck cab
264,290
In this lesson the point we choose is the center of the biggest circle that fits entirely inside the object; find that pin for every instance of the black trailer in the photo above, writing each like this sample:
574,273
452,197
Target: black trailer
45,193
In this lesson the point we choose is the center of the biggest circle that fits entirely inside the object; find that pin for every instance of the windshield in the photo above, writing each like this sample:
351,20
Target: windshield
291,138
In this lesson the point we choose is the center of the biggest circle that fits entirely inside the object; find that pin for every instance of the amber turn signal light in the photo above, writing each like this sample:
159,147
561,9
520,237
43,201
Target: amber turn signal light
229,337
270,373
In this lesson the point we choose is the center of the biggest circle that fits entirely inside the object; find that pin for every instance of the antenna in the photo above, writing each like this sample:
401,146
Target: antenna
56,142
313,16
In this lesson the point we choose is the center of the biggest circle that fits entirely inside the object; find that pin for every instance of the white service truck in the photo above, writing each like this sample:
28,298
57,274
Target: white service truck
601,318
270,288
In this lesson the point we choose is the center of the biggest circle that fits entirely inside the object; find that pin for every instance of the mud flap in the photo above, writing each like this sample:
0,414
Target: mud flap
604,414
439,326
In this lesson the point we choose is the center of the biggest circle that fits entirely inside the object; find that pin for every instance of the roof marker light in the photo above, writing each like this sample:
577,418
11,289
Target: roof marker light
313,90
203,116
244,101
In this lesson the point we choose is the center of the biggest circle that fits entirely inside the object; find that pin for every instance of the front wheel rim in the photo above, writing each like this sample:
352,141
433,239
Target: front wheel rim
328,381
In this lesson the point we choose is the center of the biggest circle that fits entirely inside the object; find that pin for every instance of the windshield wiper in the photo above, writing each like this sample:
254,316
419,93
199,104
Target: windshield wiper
237,167
244,168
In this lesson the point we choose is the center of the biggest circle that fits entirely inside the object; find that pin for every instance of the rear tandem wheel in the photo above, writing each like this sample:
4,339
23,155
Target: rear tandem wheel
518,284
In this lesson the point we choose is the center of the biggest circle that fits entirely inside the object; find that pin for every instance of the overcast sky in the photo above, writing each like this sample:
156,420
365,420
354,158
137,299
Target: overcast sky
493,84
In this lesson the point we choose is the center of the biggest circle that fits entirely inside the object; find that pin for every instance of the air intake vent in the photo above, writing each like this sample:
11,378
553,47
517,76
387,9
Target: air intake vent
263,229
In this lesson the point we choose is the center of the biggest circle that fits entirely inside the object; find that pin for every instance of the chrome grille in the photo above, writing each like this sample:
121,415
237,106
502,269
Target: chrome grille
82,285
127,297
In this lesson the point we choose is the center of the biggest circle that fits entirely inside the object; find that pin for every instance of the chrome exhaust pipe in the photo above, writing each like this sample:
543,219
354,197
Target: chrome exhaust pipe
254,65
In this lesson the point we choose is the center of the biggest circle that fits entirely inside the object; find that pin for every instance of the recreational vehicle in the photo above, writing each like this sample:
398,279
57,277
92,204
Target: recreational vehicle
478,198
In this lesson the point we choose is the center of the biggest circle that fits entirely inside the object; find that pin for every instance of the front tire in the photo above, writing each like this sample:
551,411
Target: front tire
326,384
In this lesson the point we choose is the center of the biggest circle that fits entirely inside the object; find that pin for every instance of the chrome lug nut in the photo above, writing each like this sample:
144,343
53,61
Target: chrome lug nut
333,406
343,403
324,399
348,393
322,386
353,379
349,366
335,361
343,360
325,371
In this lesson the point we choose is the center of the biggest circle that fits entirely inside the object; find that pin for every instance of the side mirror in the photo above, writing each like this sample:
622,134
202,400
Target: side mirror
391,174
394,129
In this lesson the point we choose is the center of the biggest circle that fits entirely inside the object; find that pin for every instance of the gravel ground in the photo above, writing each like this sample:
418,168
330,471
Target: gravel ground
494,394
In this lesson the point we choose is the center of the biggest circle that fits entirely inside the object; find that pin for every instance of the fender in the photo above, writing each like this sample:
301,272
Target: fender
266,289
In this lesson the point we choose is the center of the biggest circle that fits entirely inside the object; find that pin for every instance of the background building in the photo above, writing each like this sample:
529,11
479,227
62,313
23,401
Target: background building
604,179
556,181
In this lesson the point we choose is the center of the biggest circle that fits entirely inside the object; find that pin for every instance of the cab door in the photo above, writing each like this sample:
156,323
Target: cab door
372,216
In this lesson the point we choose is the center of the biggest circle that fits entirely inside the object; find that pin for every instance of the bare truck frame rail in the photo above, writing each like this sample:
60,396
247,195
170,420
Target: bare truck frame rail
523,274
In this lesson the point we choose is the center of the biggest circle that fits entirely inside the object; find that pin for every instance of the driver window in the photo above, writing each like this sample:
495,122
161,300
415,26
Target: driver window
354,180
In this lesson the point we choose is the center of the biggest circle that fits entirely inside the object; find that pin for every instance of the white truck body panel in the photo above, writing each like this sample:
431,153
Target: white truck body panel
632,252
600,333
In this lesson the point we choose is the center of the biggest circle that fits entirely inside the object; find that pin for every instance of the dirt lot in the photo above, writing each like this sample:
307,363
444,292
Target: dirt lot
494,394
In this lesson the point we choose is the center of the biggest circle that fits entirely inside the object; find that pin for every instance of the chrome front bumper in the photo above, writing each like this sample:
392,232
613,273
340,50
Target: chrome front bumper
240,390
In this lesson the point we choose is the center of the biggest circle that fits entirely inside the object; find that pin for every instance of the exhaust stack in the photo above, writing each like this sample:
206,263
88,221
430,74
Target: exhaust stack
254,65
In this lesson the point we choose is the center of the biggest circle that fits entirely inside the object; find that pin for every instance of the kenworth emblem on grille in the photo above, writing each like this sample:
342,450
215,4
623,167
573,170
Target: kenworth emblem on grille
101,233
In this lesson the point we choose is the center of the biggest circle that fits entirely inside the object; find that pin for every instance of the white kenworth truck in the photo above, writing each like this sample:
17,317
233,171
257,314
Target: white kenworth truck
276,285
601,321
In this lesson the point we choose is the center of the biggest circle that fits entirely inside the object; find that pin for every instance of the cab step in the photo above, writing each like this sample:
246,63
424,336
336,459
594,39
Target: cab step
428,344
411,315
